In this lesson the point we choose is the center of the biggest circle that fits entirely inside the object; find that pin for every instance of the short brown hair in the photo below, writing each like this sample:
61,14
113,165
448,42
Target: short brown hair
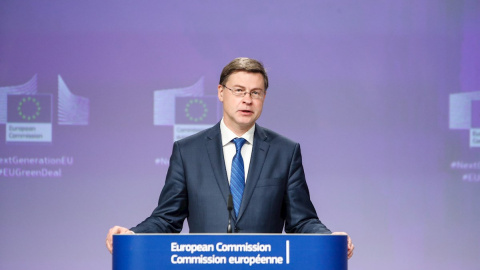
244,64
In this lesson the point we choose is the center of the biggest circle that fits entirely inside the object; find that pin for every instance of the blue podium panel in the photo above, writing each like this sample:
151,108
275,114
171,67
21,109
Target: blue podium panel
230,251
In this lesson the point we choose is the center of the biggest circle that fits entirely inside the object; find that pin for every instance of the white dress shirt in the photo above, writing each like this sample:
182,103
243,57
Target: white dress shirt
229,149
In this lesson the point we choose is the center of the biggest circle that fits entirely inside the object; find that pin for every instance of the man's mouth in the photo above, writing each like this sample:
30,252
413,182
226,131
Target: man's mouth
246,111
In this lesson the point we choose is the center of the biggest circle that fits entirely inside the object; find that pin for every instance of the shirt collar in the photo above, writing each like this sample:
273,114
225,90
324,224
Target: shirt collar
228,135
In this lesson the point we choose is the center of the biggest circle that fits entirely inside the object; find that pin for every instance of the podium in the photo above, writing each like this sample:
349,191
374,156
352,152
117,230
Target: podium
229,251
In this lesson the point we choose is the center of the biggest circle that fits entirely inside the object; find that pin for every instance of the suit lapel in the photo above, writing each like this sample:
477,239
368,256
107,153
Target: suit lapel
217,161
259,153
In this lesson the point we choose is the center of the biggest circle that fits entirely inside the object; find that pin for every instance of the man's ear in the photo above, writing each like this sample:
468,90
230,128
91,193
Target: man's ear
220,92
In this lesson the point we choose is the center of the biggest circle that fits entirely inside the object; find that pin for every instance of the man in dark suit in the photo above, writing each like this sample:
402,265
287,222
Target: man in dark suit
261,169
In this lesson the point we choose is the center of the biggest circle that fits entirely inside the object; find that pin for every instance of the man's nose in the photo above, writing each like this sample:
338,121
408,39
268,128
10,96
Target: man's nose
247,98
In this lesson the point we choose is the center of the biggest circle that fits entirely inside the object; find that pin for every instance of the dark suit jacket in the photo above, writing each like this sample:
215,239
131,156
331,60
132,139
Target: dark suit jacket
196,188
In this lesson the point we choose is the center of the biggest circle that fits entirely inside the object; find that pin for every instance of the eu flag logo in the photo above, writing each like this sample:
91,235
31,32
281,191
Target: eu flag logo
196,110
29,108
29,118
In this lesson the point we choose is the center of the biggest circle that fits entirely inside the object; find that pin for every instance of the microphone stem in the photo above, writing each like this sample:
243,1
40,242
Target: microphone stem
229,208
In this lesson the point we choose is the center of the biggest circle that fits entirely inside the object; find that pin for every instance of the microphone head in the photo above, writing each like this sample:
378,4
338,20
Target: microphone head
230,202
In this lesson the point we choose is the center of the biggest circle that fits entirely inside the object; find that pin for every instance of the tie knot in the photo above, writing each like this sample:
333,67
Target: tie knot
239,143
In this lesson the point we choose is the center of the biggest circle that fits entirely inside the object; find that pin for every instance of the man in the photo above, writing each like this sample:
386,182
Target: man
261,169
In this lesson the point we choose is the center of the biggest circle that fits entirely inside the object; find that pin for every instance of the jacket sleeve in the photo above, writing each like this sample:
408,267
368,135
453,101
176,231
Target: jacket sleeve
301,216
172,208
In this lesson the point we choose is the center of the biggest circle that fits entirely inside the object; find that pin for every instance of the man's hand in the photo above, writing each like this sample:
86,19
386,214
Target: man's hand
350,245
111,232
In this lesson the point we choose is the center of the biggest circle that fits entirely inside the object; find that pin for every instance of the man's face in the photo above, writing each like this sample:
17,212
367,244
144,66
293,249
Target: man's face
241,112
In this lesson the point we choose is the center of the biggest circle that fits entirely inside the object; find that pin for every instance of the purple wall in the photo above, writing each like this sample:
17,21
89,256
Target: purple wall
383,97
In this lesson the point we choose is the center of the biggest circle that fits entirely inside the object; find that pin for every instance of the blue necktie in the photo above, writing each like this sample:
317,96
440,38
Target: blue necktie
237,179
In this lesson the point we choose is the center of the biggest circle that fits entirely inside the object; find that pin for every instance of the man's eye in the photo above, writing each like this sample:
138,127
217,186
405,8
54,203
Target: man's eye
238,90
255,93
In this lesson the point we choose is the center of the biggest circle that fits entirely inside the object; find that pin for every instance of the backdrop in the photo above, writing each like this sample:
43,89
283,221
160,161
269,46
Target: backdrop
383,96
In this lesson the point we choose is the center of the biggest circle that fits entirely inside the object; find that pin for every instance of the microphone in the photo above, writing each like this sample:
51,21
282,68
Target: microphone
229,208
